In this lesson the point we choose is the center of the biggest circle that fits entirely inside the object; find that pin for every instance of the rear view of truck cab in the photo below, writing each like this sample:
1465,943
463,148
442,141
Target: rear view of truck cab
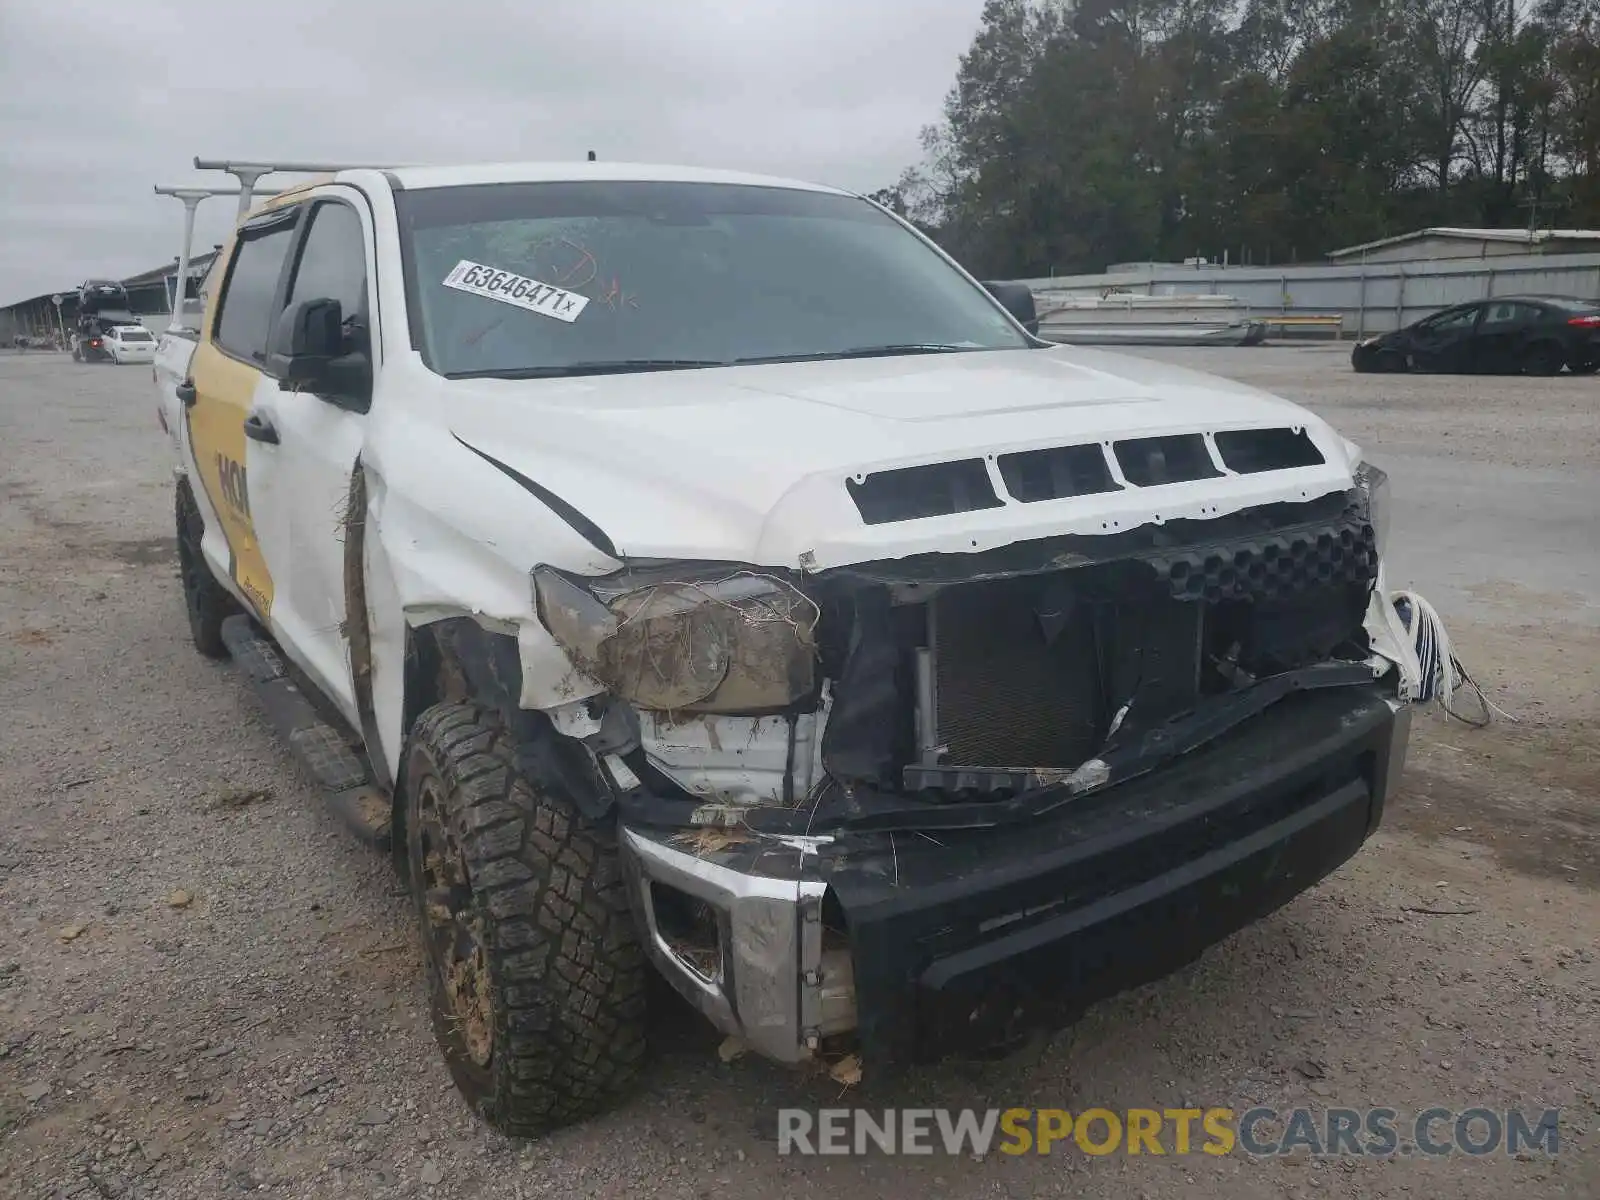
710,576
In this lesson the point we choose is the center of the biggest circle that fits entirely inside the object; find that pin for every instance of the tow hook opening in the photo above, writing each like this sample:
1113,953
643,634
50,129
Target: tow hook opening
691,930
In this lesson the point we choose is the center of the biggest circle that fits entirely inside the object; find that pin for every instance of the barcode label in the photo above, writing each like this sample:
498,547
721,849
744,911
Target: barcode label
509,288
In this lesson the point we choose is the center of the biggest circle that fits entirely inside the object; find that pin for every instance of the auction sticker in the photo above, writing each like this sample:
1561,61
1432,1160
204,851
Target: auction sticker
543,298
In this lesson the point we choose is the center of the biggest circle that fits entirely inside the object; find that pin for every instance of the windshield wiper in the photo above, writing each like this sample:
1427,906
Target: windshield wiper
860,352
619,367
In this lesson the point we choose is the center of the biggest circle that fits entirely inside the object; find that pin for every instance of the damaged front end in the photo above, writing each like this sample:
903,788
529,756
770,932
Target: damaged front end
858,801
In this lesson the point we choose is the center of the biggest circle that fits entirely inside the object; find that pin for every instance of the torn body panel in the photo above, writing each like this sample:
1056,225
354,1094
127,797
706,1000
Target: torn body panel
1392,645
738,760
434,552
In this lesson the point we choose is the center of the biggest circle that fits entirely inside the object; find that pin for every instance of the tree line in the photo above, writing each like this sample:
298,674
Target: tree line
1085,132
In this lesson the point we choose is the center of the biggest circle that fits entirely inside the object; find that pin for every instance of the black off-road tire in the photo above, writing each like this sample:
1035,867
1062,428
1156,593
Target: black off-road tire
208,604
536,976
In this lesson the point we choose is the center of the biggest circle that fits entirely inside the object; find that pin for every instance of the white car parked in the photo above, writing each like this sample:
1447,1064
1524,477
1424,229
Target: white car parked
130,344
712,576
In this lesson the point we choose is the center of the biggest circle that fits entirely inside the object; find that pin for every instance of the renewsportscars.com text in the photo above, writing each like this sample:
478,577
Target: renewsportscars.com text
1259,1132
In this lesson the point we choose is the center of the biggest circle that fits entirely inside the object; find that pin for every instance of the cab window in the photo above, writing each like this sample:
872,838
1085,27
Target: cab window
1507,314
245,318
333,261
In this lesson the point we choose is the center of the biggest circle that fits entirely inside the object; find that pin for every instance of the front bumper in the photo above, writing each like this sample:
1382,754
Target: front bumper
969,939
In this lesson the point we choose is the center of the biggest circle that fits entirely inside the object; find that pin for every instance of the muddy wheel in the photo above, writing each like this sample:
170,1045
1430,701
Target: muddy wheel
204,598
535,974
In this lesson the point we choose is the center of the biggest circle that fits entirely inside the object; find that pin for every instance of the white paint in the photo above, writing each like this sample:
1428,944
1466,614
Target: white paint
749,464
170,369
299,491
507,287
466,174
574,720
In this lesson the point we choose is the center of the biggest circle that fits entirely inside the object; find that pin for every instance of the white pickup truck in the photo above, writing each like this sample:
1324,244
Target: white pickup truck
698,571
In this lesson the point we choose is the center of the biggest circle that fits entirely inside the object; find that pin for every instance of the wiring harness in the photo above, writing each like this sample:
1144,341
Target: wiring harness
1442,673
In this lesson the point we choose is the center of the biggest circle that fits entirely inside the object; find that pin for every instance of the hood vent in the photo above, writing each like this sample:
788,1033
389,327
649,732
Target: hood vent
1249,451
1054,474
1060,472
935,490
1179,458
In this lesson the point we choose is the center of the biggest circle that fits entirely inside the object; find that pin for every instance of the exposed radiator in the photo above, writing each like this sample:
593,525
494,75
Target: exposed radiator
1004,693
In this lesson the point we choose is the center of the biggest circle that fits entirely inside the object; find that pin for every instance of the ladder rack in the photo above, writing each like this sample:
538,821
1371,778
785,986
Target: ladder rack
248,174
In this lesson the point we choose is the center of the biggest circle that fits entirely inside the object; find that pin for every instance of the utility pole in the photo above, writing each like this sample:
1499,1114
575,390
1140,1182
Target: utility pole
1533,204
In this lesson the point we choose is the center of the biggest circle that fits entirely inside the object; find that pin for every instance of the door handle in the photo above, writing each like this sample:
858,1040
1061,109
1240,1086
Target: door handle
258,427
186,393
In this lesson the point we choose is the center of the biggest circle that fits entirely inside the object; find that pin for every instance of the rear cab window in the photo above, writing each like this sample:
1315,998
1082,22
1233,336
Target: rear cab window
246,306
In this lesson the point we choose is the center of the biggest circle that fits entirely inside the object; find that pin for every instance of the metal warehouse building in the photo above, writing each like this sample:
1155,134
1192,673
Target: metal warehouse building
150,297
1441,243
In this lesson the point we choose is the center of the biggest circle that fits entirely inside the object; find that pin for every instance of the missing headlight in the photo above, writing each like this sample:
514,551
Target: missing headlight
733,641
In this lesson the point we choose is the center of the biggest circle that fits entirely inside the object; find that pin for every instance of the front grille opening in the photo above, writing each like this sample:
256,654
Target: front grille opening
1180,458
935,490
1249,451
1016,681
1034,475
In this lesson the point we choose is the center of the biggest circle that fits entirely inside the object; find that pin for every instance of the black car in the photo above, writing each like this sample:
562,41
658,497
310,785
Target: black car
98,295
1508,335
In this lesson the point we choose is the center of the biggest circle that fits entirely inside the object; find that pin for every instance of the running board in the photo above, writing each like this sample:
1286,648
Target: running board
322,750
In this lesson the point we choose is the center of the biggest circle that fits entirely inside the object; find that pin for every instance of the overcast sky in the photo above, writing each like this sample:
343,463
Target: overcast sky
100,101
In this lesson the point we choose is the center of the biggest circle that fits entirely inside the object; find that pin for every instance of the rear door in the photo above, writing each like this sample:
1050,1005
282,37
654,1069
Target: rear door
1443,342
1497,347
226,376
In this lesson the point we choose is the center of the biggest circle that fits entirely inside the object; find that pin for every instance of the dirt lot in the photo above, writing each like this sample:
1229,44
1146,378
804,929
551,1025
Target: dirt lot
266,1029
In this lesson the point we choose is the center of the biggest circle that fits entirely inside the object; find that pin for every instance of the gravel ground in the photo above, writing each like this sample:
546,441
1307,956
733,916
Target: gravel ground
207,988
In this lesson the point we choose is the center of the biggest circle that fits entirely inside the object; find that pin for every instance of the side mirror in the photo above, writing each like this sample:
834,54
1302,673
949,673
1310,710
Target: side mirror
1017,299
308,353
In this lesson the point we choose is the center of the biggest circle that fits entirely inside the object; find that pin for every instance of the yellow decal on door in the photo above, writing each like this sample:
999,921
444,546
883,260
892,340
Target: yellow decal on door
224,394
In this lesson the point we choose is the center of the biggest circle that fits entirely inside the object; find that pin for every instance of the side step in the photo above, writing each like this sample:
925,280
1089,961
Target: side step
322,750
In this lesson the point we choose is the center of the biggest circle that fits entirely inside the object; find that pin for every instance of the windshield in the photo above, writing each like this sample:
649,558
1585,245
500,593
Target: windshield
559,278
135,335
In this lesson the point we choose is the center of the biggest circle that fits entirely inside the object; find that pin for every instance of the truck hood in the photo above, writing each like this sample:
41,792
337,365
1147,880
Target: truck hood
751,464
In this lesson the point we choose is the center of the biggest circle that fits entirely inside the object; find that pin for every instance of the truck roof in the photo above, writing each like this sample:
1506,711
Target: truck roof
564,172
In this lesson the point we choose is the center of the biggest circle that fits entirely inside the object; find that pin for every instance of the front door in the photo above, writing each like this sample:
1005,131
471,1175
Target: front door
227,378
1444,341
306,469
